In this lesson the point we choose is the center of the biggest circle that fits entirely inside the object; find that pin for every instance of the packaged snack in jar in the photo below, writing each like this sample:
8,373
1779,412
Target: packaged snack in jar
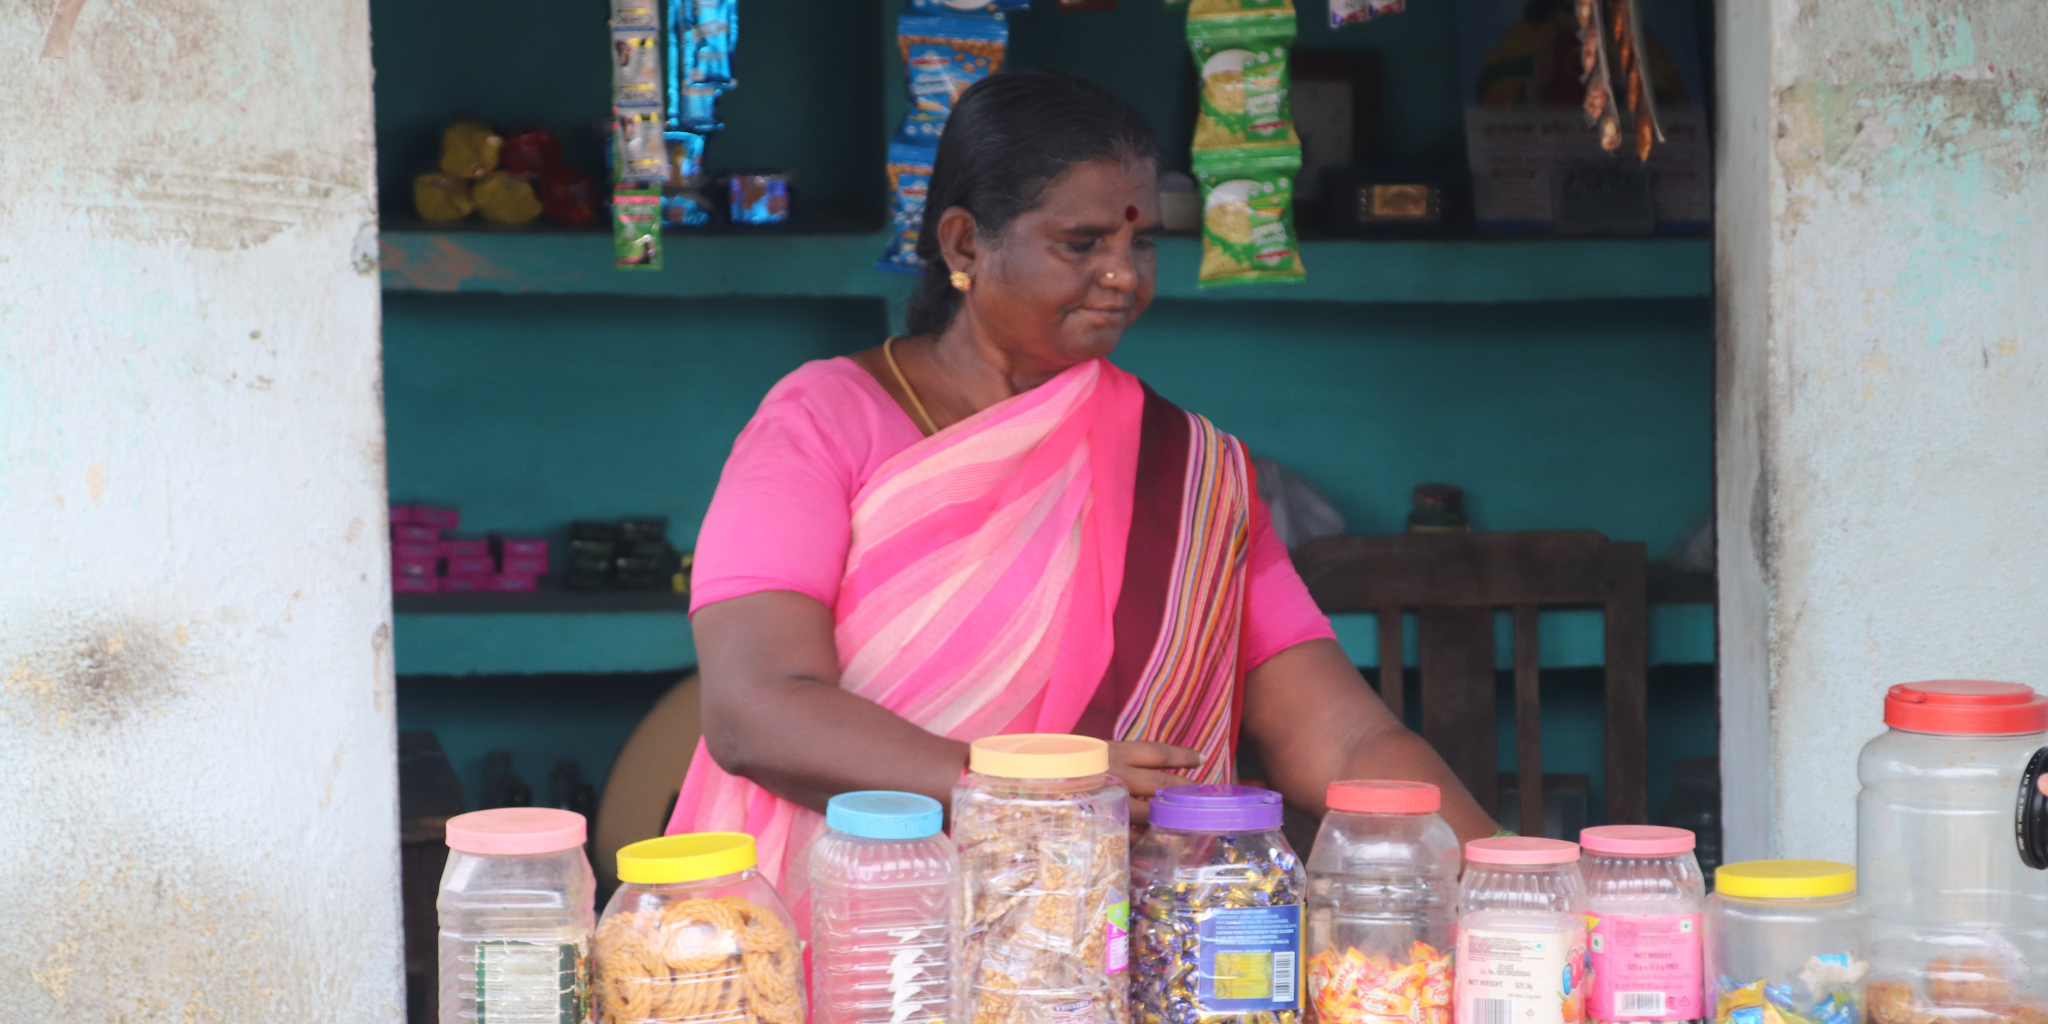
1241,48
636,228
515,917
1382,906
1216,933
942,56
1043,831
910,176
1784,945
1522,956
694,933
503,197
1644,894
1248,214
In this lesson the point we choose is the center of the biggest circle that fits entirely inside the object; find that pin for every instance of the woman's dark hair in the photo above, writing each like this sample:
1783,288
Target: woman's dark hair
1008,137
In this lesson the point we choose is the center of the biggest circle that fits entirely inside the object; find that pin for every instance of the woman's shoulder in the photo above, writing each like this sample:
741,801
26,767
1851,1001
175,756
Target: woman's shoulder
835,410
826,386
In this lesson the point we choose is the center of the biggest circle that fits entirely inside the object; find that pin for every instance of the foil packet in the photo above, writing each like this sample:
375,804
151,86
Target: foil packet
1248,215
636,229
1241,49
942,56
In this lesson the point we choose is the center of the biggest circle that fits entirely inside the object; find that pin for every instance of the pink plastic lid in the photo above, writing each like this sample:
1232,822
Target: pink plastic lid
1521,850
516,830
1636,840
1966,707
1384,796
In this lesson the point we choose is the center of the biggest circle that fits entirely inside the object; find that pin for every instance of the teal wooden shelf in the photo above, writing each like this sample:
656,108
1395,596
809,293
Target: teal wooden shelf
784,265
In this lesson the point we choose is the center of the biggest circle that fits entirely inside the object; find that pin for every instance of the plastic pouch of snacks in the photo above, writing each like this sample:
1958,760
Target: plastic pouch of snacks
942,56
441,197
1248,215
1044,836
1351,12
968,6
910,175
636,228
636,67
640,154
503,197
694,933
1241,47
469,149
1216,933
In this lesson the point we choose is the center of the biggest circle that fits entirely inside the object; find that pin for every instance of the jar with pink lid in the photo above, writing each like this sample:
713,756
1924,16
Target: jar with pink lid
1522,956
516,916
1644,895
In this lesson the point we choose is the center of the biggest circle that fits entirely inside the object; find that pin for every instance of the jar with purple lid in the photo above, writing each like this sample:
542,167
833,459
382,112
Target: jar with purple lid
1217,932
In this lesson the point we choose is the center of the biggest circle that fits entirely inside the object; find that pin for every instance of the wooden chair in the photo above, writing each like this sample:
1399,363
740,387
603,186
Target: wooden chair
1454,582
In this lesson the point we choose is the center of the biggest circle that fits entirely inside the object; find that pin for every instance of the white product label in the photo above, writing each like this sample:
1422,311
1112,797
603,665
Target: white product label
1521,977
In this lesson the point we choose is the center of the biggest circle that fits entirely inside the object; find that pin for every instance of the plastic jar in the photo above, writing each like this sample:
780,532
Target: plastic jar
1522,956
883,881
1216,933
1382,904
1644,895
1786,933
1043,831
695,935
515,910
1952,916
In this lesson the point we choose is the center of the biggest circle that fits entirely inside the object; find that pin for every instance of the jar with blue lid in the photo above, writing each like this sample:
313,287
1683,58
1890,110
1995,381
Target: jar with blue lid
1216,936
884,880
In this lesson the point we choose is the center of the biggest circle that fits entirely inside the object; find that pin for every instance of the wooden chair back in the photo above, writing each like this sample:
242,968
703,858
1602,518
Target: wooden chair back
1454,582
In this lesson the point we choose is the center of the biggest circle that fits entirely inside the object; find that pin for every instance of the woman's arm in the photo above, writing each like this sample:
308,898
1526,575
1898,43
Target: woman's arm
1313,720
774,714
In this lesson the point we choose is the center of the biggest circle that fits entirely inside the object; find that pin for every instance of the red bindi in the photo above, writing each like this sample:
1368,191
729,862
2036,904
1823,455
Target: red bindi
1130,213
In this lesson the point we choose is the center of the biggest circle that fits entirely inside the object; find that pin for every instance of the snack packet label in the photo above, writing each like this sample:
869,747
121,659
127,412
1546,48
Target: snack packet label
1243,62
942,56
1250,959
636,67
1248,216
1116,947
1647,967
910,175
636,229
529,981
1521,977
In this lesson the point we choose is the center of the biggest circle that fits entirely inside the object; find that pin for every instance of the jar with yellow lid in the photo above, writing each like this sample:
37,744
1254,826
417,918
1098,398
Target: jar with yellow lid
695,935
1783,943
1044,837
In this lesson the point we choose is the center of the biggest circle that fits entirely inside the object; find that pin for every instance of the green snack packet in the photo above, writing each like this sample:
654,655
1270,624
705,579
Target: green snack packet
636,228
1248,215
1240,49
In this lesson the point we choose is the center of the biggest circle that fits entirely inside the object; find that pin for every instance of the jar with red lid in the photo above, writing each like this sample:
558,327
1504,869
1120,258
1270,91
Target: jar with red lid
1382,908
1644,894
1955,923
1522,949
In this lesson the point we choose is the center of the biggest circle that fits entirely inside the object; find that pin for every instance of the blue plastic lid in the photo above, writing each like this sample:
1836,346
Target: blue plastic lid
883,814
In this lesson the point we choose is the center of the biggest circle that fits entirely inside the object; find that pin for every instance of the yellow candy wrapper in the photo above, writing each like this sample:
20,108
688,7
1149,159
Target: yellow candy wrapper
441,197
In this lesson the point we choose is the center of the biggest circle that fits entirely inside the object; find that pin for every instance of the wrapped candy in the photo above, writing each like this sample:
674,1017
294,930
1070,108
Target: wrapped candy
1353,987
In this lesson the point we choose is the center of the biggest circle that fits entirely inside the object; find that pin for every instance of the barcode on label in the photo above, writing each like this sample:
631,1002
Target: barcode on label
1283,977
1639,1004
1492,1011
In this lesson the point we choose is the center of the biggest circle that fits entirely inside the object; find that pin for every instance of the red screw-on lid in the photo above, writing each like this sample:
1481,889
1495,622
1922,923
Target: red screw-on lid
1966,707
1384,796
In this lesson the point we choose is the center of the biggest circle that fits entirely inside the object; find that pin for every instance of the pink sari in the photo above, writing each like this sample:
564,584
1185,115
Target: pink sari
999,581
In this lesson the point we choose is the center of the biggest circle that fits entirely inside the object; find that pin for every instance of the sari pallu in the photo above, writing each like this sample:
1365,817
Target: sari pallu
1072,557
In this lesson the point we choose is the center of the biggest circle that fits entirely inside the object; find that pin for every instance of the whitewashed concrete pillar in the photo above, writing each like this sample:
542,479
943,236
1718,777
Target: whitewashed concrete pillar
1882,391
197,782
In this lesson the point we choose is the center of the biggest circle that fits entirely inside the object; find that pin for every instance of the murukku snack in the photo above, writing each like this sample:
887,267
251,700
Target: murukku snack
1043,834
696,936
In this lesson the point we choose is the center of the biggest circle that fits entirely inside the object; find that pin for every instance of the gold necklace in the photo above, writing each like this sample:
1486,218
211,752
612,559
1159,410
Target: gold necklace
909,392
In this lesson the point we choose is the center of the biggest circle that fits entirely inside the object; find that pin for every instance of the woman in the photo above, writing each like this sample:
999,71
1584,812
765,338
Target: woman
986,527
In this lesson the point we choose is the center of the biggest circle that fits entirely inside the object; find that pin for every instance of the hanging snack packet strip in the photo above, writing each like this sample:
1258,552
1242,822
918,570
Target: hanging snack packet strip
1241,46
636,228
910,175
968,7
942,56
701,37
1248,215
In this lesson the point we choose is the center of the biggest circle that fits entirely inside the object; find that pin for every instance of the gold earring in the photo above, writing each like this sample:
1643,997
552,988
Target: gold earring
961,282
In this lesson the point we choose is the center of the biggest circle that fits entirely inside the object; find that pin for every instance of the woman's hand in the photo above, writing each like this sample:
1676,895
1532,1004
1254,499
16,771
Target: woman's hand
1142,767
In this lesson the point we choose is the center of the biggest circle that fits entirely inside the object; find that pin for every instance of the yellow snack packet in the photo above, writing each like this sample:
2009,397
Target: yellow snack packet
505,198
441,197
469,149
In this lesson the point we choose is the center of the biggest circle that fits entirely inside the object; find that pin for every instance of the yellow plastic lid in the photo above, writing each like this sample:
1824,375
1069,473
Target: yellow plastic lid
1785,879
1038,755
686,858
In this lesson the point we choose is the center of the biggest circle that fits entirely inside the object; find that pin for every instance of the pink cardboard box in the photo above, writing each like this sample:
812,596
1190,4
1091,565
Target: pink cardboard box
464,584
514,582
426,568
445,518
414,549
519,565
415,534
509,547
465,548
473,565
414,584
401,514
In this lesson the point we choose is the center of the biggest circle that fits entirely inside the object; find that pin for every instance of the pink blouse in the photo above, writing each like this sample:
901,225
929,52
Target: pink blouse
781,517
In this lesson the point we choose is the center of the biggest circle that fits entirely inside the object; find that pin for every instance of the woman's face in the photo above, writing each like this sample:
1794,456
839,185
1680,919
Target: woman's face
1060,285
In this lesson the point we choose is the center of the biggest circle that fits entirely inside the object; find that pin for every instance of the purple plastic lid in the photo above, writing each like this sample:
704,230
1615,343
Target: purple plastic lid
1216,809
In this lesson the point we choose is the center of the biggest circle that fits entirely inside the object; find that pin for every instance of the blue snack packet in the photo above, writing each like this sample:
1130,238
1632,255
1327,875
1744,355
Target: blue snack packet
942,56
910,176
991,7
701,36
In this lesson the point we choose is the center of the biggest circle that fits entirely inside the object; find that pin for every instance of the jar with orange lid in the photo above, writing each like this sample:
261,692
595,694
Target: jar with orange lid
515,916
1043,832
695,935
1523,957
1382,905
